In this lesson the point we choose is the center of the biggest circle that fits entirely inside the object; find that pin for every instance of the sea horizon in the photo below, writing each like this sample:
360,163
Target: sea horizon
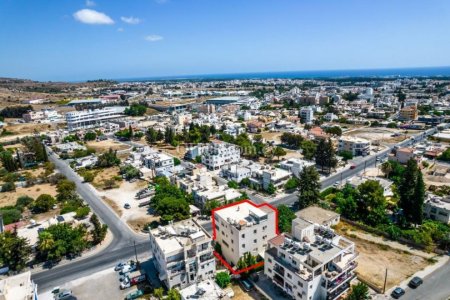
311,74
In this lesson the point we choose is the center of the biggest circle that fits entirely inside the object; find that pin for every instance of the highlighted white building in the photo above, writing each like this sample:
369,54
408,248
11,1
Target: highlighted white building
243,228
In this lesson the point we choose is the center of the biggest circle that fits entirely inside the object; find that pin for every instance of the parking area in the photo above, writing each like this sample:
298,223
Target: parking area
127,207
106,284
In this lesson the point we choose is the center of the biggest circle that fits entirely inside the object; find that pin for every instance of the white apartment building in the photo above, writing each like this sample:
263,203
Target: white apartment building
312,263
235,172
437,208
276,177
295,165
357,146
46,115
219,154
307,115
183,254
159,162
92,118
244,228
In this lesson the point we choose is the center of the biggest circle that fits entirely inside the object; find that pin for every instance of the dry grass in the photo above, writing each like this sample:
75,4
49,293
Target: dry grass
139,223
178,151
113,205
9,198
105,174
104,146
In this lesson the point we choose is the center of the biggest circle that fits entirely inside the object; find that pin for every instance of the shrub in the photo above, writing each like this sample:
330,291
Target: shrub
82,212
223,279
8,186
10,214
43,203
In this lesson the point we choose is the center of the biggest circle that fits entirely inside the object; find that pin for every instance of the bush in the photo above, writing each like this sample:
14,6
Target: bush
8,187
43,203
223,279
82,212
88,176
10,214
176,161
24,201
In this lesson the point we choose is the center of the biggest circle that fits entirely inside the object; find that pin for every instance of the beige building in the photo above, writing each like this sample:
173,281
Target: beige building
357,146
244,228
408,113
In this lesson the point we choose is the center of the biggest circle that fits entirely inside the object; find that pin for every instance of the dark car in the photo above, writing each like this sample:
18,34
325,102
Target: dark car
415,282
397,292
246,285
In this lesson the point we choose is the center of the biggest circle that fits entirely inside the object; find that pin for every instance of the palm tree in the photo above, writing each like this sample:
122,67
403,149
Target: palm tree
359,291
46,242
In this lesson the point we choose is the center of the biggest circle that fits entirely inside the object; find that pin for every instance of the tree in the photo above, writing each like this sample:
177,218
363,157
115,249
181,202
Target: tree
291,184
90,136
412,193
278,151
65,190
335,130
82,212
151,136
309,187
233,184
308,149
285,217
371,202
445,156
88,176
176,161
23,201
99,231
386,168
158,293
43,203
346,155
359,291
8,161
8,187
223,279
271,189
326,155
14,250
173,294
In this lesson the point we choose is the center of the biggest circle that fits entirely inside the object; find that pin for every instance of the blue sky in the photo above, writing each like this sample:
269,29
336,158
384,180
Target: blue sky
79,39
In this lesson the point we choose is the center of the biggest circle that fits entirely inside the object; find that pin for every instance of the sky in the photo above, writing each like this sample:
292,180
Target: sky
92,39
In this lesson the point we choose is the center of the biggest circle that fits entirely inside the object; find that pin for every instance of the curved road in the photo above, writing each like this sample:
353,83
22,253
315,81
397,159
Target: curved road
120,248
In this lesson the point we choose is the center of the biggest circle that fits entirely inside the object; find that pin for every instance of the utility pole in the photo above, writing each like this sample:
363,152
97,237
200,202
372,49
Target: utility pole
385,281
135,254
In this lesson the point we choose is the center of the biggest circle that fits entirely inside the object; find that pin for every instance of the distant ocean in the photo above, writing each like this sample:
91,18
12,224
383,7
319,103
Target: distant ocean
401,72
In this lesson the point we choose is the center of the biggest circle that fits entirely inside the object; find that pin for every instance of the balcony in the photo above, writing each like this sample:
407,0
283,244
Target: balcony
337,293
343,279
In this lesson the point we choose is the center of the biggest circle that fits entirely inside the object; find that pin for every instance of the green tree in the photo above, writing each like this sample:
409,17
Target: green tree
285,217
43,203
223,279
24,201
65,190
278,152
372,203
8,161
359,291
90,136
176,161
412,193
158,293
309,187
99,231
445,156
108,159
271,189
308,149
291,184
173,294
233,184
346,155
82,212
14,250
326,155
88,176
151,135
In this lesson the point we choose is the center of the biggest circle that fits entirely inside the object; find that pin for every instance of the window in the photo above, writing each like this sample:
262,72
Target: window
254,231
283,255
243,245
300,284
269,270
270,260
299,295
255,241
264,227
289,276
243,236
232,241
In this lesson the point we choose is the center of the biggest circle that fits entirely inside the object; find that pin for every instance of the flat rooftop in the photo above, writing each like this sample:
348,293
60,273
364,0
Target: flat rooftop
205,290
241,213
18,287
315,214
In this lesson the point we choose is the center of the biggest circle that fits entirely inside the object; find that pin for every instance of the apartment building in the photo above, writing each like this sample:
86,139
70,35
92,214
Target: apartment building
235,172
408,113
307,115
92,118
243,228
437,208
46,115
295,165
312,262
357,146
159,162
183,254
219,154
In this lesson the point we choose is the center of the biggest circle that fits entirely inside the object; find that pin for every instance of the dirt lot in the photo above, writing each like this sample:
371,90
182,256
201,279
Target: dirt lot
383,135
269,136
178,151
105,174
240,294
103,146
376,255
136,216
9,198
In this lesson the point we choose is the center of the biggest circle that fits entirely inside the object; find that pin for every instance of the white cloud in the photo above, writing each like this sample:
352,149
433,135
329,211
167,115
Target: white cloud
90,3
93,17
131,20
120,29
153,38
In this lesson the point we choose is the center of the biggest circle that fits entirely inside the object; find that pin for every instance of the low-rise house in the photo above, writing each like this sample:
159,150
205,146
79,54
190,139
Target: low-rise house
437,208
183,254
205,290
318,215
69,147
402,155
357,146
386,184
295,165
86,162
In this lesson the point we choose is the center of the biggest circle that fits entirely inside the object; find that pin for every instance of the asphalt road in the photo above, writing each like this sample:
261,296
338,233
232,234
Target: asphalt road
436,286
121,246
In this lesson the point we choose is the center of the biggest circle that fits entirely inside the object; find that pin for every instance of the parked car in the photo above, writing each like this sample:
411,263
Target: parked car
65,294
133,281
397,292
352,167
127,206
134,295
119,266
125,284
246,285
415,282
